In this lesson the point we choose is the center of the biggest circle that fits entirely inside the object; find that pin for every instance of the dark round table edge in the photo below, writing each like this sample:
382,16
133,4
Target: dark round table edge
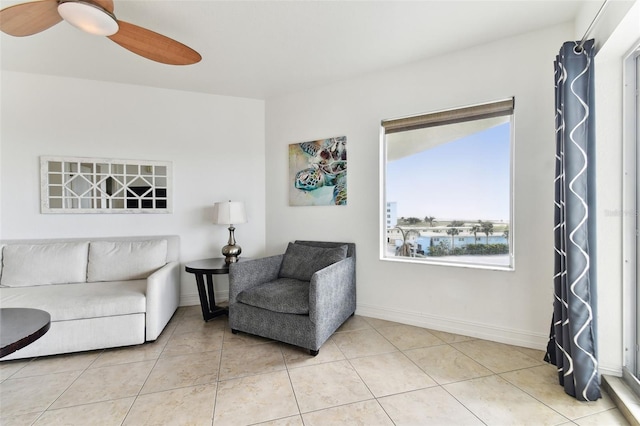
19,344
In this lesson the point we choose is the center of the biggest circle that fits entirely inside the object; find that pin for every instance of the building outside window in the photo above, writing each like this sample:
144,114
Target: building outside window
392,219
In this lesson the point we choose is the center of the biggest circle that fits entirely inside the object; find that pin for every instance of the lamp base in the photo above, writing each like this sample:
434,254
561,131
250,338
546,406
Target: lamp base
231,253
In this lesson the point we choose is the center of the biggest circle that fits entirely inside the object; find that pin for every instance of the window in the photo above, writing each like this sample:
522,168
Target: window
93,185
448,176
630,222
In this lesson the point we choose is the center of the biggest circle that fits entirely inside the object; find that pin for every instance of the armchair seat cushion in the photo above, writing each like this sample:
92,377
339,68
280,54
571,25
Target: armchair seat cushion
285,295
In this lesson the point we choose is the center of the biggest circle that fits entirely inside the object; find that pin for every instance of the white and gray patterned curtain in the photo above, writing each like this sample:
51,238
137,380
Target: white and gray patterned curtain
572,342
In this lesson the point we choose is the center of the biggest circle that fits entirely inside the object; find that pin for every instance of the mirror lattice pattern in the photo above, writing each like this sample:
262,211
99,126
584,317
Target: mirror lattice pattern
92,185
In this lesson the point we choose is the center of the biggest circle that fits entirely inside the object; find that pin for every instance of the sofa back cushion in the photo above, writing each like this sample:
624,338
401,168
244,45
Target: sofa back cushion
301,261
43,264
125,260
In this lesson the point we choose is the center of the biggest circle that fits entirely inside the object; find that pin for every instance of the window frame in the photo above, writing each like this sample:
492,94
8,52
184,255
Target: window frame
502,107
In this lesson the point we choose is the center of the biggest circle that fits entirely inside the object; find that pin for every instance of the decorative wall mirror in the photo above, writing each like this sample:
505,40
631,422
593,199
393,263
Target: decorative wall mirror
97,185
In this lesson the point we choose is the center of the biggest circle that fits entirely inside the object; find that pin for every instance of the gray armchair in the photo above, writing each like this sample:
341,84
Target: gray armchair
300,297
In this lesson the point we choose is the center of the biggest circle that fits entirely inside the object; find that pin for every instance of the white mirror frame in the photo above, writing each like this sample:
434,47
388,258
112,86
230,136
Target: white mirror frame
99,185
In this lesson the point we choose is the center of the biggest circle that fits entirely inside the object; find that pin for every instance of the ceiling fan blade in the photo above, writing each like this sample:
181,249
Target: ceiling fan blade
105,4
29,18
154,46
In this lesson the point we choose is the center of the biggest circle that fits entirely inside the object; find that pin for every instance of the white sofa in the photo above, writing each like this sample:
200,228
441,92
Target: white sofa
100,292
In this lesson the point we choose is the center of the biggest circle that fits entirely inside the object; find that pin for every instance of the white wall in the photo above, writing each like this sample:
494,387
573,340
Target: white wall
513,307
216,144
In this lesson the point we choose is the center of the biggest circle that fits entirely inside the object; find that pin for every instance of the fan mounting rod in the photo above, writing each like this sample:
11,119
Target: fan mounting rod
88,17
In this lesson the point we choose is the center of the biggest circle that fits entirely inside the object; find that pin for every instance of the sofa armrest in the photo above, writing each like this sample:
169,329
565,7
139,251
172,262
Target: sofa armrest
332,291
250,273
163,297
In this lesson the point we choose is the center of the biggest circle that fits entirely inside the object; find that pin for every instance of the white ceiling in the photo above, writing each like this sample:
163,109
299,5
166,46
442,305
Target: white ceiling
262,49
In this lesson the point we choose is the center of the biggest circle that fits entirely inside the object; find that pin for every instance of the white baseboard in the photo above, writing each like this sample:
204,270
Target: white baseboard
451,325
610,371
191,299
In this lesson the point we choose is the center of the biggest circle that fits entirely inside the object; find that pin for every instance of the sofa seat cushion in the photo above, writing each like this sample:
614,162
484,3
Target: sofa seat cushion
66,302
286,295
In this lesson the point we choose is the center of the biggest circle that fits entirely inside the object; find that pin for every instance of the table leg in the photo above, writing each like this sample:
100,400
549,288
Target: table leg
210,293
202,292
207,298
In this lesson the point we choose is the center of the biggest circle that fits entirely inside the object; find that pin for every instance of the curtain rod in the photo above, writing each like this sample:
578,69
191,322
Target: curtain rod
593,23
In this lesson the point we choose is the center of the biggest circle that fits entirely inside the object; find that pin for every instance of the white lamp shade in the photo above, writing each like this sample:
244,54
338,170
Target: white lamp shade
229,213
88,17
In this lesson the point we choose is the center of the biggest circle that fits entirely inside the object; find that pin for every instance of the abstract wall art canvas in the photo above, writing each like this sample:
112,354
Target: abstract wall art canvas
318,172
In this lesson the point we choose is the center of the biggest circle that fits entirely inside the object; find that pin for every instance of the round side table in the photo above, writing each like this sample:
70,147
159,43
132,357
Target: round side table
20,327
208,268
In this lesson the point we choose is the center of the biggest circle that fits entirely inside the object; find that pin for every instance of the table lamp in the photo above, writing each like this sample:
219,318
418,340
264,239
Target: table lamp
228,213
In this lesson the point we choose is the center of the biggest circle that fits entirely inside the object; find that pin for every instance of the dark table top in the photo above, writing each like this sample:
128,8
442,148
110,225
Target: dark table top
20,327
214,265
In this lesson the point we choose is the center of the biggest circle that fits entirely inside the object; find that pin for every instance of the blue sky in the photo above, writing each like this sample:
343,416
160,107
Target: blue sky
464,179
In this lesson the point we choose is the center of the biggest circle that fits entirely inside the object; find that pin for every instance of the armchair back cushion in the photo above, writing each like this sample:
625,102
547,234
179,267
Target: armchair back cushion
125,260
301,261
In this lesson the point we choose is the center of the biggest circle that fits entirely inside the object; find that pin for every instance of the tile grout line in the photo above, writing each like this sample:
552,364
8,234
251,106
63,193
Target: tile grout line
67,388
375,398
19,369
435,381
215,396
135,398
462,404
293,389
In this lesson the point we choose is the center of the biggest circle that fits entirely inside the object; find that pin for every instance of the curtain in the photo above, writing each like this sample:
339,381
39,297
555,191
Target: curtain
572,342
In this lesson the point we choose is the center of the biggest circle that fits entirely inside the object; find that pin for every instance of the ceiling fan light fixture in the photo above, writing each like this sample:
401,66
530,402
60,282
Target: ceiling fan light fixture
88,17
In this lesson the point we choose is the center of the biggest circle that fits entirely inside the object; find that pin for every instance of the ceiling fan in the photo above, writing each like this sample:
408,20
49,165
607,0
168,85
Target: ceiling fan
95,17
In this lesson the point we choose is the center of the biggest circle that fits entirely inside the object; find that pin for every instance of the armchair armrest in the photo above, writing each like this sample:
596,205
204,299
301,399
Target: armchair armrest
244,275
163,297
333,290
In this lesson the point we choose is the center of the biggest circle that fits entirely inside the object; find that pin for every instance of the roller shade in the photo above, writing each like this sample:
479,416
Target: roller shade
452,116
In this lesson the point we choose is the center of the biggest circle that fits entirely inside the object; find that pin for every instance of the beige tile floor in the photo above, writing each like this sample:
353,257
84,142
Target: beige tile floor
371,372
